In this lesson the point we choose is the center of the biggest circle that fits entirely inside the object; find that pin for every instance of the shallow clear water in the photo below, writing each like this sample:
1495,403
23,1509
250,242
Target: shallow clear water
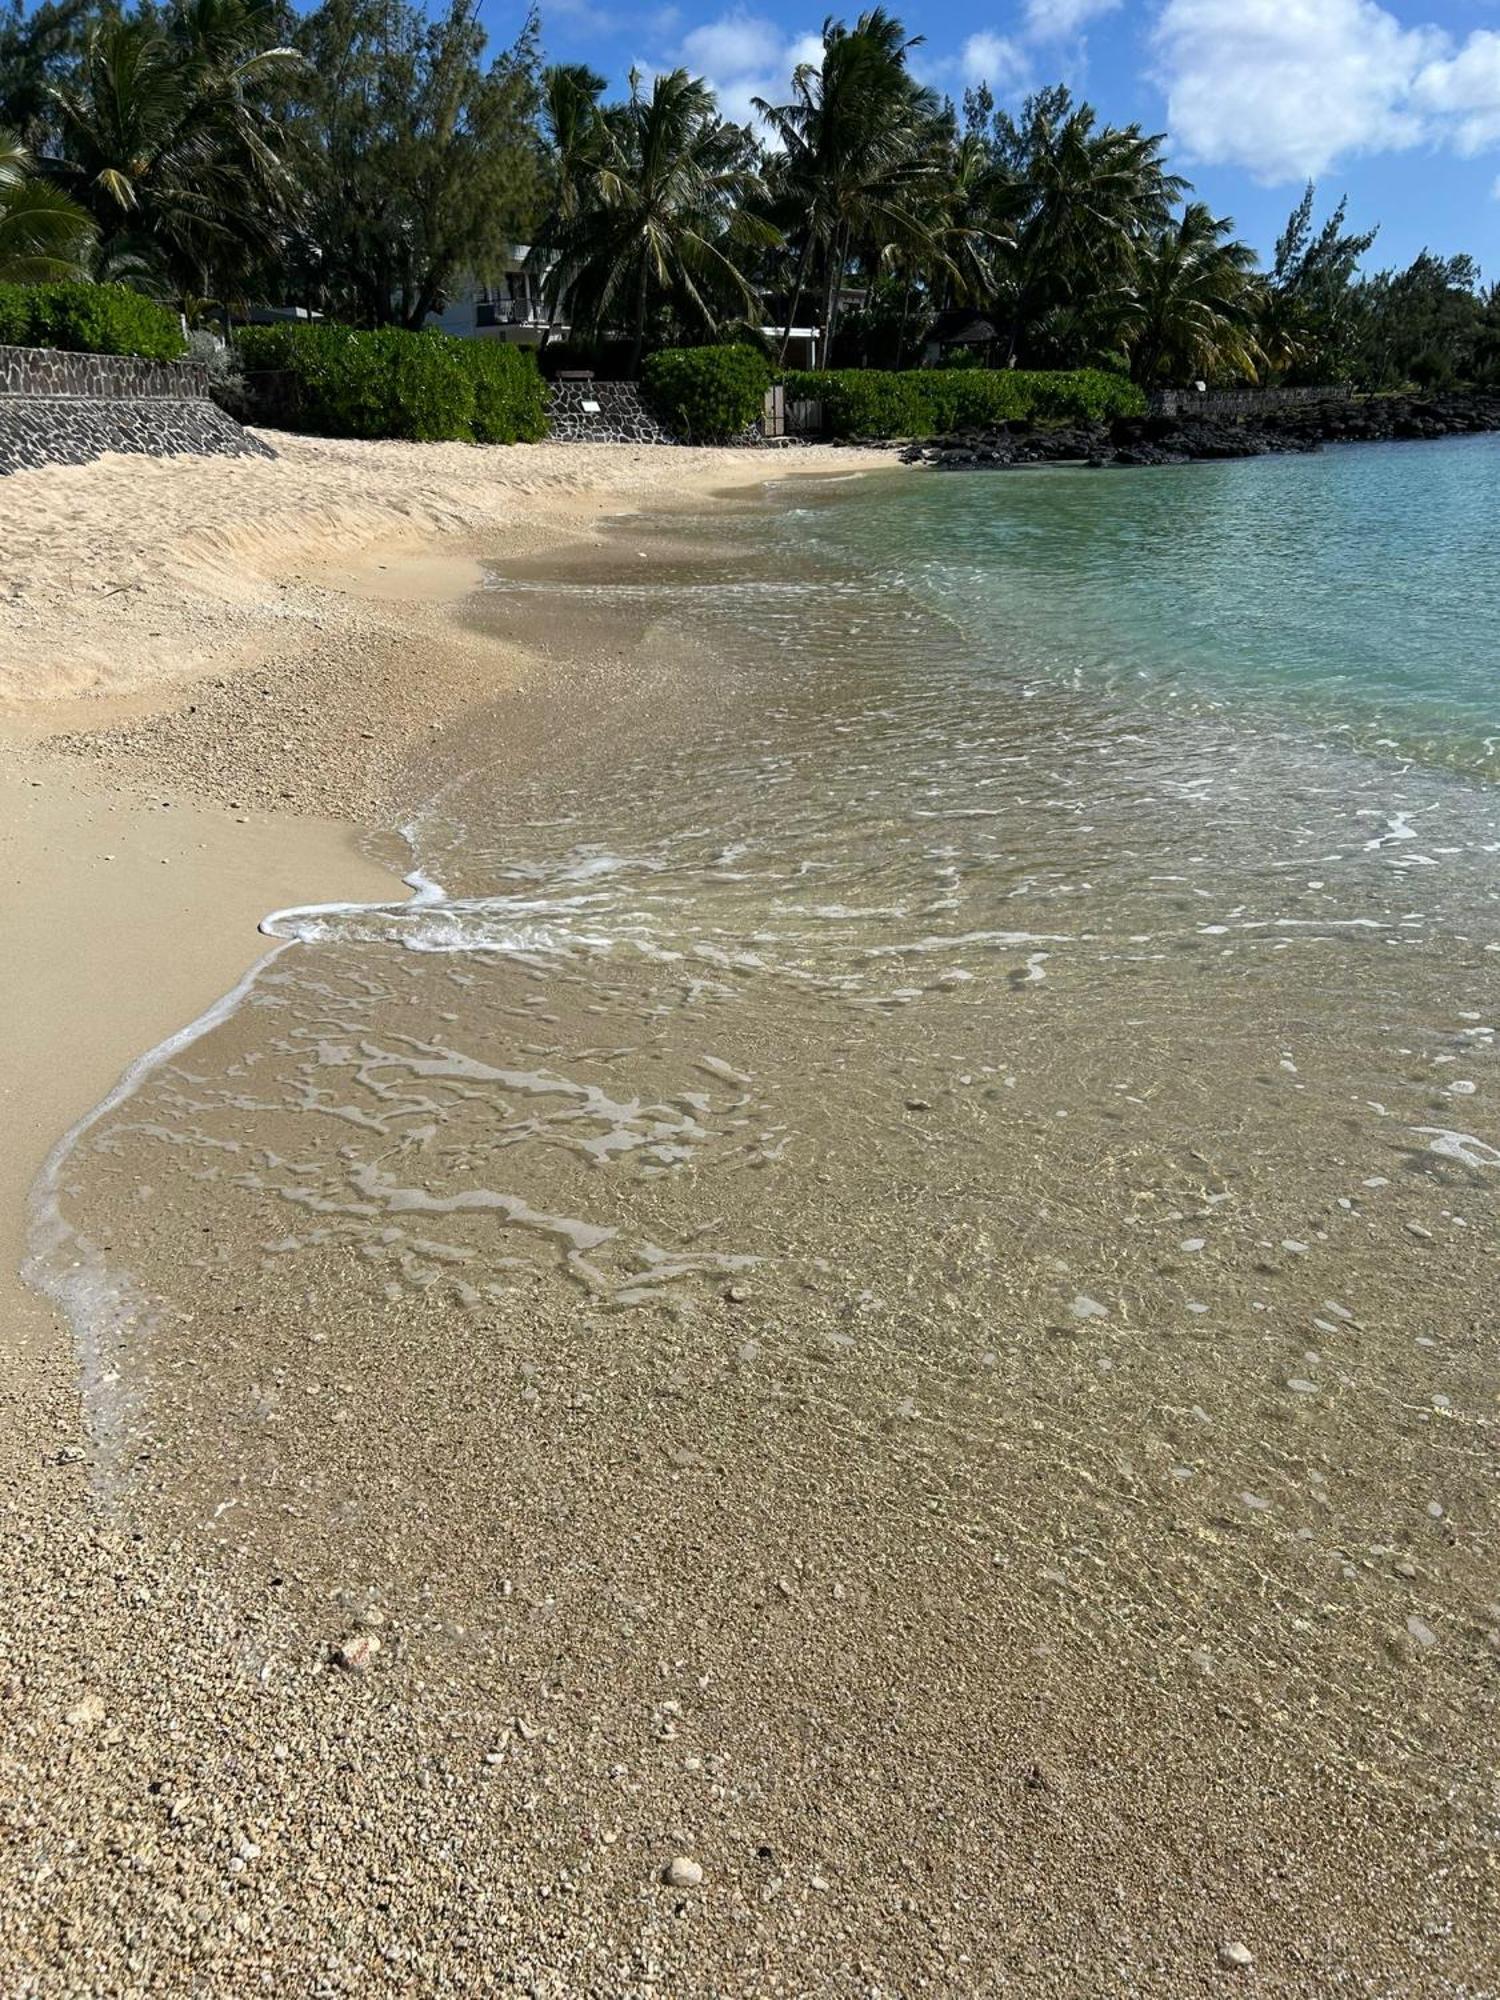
1357,591
978,1003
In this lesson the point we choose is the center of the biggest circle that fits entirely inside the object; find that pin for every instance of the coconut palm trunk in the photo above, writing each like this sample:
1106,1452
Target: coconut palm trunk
795,305
638,336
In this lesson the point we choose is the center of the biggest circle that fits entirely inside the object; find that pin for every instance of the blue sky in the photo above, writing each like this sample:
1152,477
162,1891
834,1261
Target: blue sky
1394,102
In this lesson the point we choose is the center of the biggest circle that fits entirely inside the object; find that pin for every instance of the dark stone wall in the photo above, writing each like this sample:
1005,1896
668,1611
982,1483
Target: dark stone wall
1242,402
622,416
46,371
65,409
70,430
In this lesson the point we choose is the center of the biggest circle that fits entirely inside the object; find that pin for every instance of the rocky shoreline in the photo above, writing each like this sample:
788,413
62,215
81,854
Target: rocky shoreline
1180,439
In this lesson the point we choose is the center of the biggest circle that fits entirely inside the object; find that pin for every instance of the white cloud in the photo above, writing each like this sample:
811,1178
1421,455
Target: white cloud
1466,90
734,45
744,56
1053,20
1285,87
992,59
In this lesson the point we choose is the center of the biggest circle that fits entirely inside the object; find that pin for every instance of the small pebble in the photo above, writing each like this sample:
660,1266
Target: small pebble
1235,1957
682,1873
357,1653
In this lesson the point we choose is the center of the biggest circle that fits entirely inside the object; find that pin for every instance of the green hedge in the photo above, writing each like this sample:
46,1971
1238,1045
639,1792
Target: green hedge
708,394
394,384
927,402
89,319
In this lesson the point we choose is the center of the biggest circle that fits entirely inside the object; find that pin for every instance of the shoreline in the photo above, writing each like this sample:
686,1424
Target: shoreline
93,773
671,1585
179,757
151,819
152,816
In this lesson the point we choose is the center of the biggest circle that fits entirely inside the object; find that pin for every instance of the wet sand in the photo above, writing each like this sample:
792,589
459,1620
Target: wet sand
647,1588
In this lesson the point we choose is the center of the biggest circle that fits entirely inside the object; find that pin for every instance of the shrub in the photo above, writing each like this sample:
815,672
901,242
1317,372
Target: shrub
708,394
392,384
226,379
89,319
510,399
866,402
869,402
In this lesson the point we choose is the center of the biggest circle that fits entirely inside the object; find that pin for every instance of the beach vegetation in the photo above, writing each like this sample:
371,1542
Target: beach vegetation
84,318
657,215
44,235
930,402
386,382
1193,310
708,395
856,172
363,161
162,128
418,157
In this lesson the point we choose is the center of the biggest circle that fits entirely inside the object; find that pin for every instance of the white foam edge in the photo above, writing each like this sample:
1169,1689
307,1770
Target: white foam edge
79,1289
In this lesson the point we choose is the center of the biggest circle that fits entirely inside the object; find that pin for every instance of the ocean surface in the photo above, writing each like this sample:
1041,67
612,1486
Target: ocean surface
995,1002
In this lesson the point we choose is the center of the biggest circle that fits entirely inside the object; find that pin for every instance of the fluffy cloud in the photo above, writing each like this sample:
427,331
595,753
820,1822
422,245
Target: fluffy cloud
1004,61
734,45
1285,87
992,59
1052,20
744,57
1465,92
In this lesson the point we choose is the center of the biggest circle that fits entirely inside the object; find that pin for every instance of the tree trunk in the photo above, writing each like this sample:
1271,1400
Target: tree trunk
638,340
835,283
796,300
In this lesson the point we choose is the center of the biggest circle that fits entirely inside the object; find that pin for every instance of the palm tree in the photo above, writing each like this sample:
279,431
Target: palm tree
166,141
36,39
668,194
1195,303
855,167
574,128
44,235
971,226
1081,200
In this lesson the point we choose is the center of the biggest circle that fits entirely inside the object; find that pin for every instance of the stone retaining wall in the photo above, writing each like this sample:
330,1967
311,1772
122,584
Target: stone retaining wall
66,409
1242,402
621,418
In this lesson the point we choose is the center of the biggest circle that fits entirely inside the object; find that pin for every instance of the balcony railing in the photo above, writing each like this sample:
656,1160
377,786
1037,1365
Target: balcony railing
509,312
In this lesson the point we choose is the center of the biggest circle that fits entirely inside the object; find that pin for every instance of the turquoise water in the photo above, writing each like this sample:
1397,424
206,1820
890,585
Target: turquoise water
1358,590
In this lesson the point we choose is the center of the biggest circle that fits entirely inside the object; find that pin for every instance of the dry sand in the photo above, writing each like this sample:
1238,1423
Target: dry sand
122,576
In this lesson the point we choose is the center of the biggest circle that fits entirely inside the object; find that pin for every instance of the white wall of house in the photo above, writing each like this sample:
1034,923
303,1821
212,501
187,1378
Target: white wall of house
510,307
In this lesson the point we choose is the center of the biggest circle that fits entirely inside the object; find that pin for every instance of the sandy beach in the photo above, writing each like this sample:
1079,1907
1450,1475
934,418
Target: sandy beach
883,1613
208,671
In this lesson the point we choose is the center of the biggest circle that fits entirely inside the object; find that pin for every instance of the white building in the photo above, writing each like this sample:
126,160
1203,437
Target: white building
803,343
510,308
